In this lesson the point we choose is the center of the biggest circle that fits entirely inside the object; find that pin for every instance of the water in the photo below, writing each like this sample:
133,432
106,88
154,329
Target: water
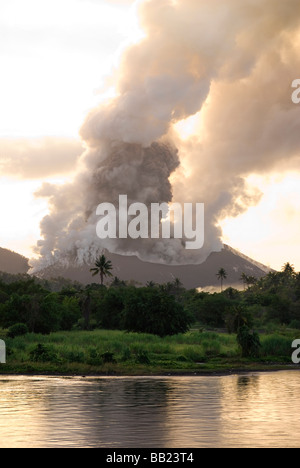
255,410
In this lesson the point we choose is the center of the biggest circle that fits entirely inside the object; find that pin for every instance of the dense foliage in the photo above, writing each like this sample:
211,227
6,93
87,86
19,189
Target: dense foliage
151,310
28,303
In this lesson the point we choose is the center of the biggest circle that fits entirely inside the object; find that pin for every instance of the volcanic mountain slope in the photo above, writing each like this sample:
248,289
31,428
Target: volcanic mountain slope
191,276
11,262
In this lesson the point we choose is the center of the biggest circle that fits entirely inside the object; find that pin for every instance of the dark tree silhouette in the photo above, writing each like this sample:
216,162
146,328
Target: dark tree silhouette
288,269
222,275
103,267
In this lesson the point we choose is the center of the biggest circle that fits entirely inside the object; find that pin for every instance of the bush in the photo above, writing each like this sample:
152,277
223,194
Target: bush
295,324
42,354
150,310
74,356
182,358
108,358
94,358
20,329
249,342
212,310
142,357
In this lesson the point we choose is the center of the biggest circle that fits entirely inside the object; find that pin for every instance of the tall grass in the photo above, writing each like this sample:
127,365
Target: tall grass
132,349
78,346
276,346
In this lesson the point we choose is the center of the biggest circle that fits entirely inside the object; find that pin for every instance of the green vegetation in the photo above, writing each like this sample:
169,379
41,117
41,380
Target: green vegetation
122,329
249,342
114,352
150,310
20,329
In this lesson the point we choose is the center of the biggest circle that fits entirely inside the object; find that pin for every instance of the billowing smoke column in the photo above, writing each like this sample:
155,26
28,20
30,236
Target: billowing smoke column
231,63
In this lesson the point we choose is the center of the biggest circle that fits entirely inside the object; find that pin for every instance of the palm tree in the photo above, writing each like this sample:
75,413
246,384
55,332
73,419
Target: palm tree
103,268
177,283
118,283
221,276
288,269
244,278
251,280
248,280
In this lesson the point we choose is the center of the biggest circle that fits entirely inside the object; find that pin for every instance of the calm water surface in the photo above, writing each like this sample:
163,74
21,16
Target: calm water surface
255,410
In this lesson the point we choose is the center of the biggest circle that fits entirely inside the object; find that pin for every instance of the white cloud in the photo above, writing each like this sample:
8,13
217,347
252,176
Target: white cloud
38,158
53,57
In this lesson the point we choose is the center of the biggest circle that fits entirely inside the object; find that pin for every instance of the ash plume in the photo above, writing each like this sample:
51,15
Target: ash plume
232,64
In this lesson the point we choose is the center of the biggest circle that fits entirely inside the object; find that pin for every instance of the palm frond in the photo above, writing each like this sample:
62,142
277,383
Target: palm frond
95,271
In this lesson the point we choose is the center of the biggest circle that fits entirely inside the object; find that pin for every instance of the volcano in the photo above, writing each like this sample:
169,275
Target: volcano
132,269
12,262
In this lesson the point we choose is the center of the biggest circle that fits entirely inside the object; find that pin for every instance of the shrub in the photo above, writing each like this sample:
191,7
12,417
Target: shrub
154,311
249,342
108,358
42,354
295,324
182,358
20,329
74,356
142,358
94,358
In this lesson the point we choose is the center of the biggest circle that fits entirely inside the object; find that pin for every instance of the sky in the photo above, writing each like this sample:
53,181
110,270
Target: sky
60,60
56,56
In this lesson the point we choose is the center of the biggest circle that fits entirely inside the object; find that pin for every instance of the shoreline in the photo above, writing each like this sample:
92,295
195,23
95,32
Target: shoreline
172,373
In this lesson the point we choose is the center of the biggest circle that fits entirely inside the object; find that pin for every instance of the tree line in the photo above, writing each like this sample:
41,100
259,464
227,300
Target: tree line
34,305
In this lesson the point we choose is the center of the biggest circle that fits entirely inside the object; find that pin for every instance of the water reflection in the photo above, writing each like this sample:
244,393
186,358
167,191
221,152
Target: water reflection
247,385
230,411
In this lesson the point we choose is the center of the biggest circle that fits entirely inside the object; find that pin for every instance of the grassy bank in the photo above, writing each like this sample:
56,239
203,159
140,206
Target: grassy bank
119,353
